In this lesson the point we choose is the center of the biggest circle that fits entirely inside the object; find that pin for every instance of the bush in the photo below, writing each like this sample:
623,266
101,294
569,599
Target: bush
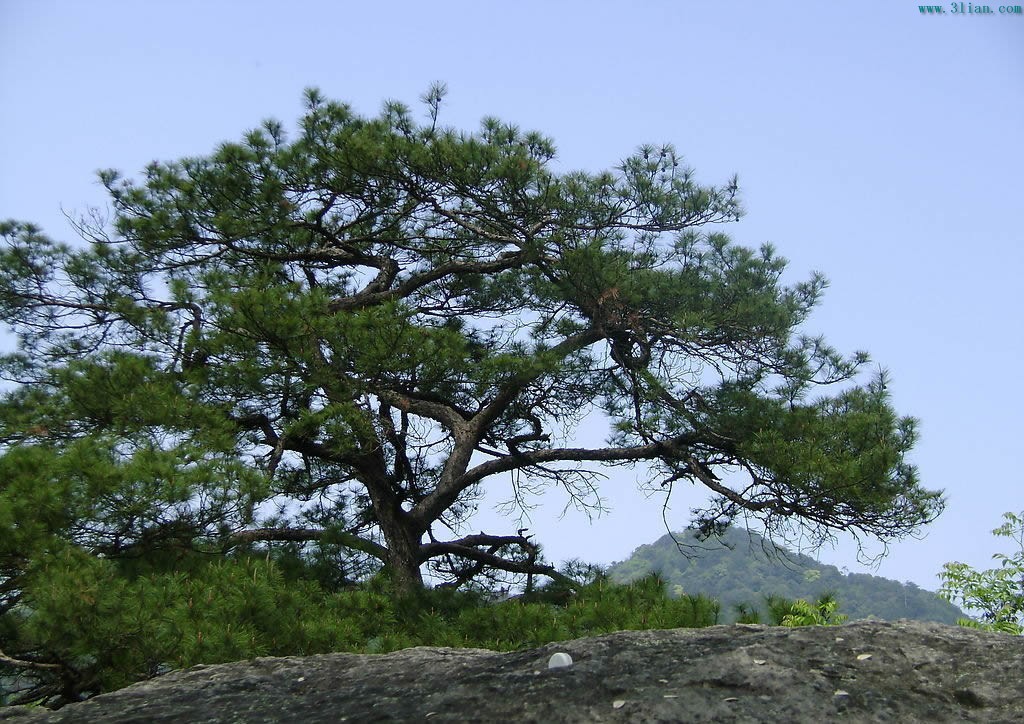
114,628
996,595
786,612
822,612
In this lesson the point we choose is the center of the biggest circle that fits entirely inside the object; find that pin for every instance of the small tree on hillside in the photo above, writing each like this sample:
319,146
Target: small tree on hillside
330,344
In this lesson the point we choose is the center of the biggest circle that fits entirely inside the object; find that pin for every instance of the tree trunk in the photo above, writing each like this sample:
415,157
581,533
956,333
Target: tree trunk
402,566
402,533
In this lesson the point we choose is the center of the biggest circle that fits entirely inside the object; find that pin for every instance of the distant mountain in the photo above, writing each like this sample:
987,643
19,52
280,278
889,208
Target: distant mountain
744,567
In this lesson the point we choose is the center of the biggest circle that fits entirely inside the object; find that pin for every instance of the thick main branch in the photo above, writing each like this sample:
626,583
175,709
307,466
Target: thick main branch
467,436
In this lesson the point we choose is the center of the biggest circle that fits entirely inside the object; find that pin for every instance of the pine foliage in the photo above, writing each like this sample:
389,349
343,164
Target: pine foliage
113,630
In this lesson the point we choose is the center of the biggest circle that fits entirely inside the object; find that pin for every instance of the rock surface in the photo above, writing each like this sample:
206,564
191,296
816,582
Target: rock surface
867,671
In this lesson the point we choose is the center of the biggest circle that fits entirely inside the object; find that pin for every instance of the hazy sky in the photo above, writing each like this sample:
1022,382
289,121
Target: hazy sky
880,145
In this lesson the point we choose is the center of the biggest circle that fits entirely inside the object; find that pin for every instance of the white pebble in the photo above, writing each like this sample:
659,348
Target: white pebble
559,661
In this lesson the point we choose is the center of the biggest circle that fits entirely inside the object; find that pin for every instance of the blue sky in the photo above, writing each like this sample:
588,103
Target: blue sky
879,145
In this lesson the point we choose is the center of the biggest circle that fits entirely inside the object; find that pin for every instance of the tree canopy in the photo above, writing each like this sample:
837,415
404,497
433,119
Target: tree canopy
327,343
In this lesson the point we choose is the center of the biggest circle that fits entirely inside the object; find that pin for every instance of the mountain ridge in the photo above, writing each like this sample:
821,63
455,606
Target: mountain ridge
743,567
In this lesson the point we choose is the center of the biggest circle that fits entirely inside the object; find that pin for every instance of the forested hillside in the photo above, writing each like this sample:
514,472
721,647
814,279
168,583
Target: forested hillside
744,567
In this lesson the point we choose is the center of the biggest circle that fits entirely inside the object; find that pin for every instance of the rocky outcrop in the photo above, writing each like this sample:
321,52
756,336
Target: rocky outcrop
867,671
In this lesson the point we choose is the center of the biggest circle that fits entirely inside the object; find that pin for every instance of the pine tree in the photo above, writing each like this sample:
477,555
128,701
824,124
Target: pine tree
322,348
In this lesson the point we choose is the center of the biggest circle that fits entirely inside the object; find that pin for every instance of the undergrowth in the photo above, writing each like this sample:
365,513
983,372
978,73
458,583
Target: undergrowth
114,629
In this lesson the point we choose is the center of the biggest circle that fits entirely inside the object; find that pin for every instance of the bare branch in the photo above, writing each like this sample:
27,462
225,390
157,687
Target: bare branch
610,454
467,548
447,415
373,295
23,664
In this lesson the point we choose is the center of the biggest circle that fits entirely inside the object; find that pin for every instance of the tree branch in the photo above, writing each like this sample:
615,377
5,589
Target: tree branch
611,454
466,548
368,297
23,664
701,472
300,535
467,436
443,413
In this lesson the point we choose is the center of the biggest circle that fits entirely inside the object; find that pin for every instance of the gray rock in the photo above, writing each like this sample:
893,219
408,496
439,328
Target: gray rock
862,672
